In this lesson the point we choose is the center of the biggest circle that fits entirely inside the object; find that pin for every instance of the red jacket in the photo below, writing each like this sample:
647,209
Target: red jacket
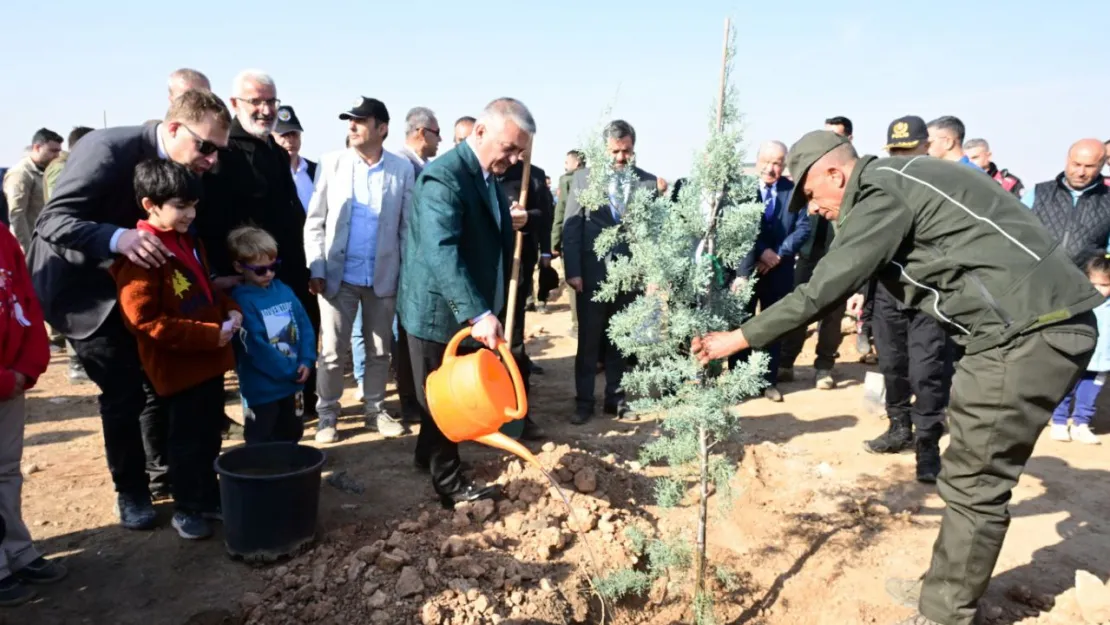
176,315
24,346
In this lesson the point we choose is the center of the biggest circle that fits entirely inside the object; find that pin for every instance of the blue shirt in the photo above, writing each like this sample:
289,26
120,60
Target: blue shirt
362,237
1100,359
967,161
1031,196
276,339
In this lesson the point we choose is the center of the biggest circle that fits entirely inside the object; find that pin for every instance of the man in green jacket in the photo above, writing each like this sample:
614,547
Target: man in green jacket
574,161
948,241
455,266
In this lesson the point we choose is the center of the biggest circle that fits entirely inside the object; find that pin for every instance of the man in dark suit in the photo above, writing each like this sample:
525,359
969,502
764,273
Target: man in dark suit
781,235
89,221
585,272
535,248
252,185
455,267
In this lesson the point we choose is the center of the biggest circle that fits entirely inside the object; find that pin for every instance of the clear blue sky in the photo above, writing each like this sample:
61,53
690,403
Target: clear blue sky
1029,76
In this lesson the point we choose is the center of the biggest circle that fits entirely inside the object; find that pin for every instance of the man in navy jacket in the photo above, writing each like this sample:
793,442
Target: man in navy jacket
771,261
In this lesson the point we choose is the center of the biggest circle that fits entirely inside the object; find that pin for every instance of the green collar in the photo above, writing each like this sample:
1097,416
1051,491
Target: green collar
852,191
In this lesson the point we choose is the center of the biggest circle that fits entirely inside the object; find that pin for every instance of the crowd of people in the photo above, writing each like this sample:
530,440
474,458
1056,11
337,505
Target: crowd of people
163,255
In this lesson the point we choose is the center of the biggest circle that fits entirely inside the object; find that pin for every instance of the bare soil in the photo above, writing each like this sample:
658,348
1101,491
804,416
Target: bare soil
818,526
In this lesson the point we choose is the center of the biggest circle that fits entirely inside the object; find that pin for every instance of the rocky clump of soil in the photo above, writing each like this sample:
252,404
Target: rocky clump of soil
1088,603
521,559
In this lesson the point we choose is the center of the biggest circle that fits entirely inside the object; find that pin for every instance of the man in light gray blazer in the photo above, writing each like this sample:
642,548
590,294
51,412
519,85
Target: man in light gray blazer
356,221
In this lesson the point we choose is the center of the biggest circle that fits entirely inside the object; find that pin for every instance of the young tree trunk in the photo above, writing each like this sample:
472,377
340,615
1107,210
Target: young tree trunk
703,507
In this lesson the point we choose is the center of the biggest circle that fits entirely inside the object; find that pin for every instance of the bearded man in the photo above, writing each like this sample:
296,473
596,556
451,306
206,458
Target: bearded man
252,185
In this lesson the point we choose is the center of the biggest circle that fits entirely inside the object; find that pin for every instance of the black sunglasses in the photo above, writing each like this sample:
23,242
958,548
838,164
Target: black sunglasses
204,146
261,270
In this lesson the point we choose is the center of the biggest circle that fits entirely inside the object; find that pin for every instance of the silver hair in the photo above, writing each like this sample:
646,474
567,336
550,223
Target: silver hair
188,76
977,143
417,118
251,75
503,109
776,145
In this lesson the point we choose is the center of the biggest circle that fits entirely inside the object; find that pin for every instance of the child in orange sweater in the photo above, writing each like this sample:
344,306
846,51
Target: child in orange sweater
184,328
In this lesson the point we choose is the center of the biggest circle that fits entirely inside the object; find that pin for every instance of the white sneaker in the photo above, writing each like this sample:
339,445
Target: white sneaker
825,380
1060,433
326,432
360,395
1083,434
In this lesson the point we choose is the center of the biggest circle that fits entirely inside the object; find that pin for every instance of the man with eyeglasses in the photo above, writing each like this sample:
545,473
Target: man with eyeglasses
253,186
89,221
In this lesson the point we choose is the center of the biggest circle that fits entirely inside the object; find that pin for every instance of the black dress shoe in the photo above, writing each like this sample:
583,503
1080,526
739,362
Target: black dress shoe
532,432
536,369
468,492
581,416
621,411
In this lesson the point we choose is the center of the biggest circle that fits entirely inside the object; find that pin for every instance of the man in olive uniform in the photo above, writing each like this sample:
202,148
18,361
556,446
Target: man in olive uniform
946,240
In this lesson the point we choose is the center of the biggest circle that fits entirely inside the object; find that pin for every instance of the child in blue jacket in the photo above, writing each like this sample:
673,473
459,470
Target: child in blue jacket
1080,402
276,347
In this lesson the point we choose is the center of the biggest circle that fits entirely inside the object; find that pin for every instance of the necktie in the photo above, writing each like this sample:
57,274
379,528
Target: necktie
492,189
769,203
616,199
499,295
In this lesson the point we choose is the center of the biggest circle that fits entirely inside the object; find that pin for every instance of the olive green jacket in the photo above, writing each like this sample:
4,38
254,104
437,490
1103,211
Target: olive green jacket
560,211
946,240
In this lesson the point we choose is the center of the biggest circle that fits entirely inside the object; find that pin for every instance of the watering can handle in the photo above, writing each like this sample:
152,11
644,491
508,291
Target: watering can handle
510,363
518,383
453,344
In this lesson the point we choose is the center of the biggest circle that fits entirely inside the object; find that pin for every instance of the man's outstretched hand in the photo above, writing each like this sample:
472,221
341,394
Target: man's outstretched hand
717,345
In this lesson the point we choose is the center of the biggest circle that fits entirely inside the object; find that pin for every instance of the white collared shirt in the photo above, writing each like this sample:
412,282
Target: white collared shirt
304,183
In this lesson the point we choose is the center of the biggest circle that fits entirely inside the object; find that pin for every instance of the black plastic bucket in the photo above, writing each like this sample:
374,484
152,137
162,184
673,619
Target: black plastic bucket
270,495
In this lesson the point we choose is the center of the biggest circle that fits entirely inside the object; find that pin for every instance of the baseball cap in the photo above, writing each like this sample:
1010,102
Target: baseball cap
287,121
365,108
803,154
906,132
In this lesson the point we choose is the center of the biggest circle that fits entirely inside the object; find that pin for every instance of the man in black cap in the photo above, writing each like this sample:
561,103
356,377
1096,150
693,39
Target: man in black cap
913,350
944,240
287,134
354,231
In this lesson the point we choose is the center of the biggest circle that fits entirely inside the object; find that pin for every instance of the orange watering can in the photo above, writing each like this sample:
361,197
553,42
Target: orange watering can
472,396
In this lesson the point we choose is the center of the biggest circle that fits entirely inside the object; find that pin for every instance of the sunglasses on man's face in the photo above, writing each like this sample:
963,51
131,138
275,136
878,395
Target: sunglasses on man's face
204,146
262,270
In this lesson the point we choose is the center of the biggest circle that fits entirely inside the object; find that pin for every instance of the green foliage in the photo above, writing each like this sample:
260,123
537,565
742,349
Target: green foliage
703,609
728,579
622,583
669,556
671,255
638,538
669,492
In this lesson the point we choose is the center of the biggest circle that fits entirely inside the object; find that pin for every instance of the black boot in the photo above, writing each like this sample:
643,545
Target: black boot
927,449
897,438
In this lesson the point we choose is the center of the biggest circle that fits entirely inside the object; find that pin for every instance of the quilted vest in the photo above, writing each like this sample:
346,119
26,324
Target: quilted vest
1083,228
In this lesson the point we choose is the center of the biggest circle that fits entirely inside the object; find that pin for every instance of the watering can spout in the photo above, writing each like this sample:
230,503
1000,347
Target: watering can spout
500,441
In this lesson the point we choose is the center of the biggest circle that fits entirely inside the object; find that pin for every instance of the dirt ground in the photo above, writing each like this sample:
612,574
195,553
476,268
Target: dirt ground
818,527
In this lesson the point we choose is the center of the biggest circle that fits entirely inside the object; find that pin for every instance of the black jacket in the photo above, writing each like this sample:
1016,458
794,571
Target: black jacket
537,232
252,185
1081,226
70,249
583,225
